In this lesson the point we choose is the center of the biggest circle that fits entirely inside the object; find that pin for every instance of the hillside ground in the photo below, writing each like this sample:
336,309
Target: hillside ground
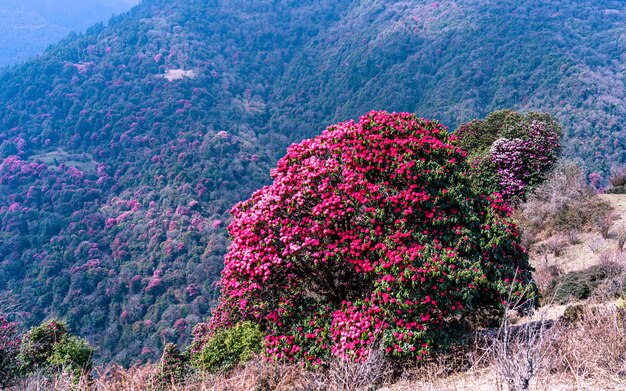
576,341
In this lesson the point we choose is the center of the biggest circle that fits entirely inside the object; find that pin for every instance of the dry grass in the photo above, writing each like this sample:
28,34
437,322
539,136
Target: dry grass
39,382
544,275
537,354
518,354
565,224
255,375
117,378
563,202
618,177
594,348
349,376
557,244
604,224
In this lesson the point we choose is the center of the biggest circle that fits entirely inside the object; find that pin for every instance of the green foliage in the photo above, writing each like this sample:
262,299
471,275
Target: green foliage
459,60
72,354
230,347
616,190
9,349
104,150
174,367
580,284
51,348
38,344
477,136
573,313
122,179
511,153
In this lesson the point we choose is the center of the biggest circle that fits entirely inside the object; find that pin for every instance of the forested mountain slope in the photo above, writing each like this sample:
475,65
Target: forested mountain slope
116,180
458,60
124,148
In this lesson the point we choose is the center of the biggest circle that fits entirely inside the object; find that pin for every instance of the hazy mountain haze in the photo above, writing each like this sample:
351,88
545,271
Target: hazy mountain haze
27,27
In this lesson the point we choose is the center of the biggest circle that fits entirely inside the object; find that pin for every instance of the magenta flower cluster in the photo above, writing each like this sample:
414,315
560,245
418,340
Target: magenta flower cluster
9,340
369,236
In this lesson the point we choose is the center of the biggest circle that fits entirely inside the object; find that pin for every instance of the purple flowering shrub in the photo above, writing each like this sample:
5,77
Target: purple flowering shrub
511,153
370,235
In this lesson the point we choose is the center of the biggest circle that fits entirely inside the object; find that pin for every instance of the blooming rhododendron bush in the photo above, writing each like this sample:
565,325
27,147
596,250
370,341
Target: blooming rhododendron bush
511,153
370,234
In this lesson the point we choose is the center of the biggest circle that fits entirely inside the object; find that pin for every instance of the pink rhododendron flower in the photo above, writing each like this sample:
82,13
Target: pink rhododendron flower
369,234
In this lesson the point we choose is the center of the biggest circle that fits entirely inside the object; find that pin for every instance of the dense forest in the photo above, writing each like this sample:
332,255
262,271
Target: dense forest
123,149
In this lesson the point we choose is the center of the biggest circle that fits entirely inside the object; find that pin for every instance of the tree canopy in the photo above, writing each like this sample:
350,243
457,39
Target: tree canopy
370,233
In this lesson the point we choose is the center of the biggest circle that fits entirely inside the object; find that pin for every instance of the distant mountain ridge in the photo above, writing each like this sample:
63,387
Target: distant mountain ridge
27,27
123,149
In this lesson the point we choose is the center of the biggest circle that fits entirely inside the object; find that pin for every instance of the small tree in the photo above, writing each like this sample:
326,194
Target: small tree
617,180
230,347
511,153
370,234
174,367
564,201
50,348
9,349
38,344
73,355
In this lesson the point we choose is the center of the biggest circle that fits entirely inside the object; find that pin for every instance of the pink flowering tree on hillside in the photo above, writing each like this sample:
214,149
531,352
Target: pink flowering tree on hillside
370,235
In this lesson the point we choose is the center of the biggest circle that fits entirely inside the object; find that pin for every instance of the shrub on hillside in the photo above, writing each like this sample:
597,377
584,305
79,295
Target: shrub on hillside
38,344
573,313
604,222
72,354
51,348
174,367
370,234
477,137
229,347
581,284
592,347
617,180
511,153
9,349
